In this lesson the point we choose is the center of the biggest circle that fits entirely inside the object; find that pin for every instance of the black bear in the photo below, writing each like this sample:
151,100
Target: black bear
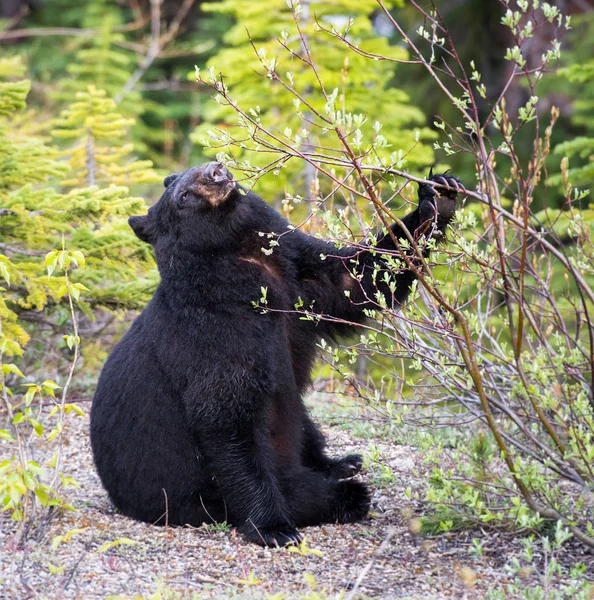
198,414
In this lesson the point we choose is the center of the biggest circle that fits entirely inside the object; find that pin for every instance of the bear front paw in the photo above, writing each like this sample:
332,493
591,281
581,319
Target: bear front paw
345,467
274,537
352,501
438,201
454,186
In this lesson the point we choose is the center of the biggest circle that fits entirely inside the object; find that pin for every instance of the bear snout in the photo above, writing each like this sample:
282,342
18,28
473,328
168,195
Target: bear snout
215,172
213,182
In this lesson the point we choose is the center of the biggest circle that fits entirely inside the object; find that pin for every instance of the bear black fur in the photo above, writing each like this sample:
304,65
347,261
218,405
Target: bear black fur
198,414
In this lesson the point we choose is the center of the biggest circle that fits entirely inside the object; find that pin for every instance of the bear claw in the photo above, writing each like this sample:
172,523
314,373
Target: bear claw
275,537
436,199
450,182
345,467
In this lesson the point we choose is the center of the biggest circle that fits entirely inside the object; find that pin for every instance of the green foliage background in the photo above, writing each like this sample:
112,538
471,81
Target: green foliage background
64,108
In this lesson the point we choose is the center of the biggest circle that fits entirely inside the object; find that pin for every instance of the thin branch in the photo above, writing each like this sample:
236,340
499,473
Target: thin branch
16,34
157,44
23,251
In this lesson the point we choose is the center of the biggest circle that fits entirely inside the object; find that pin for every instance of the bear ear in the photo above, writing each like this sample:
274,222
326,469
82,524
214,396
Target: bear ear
170,179
141,226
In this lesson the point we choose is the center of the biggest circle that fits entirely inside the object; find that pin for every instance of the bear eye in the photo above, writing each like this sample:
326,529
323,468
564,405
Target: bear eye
184,196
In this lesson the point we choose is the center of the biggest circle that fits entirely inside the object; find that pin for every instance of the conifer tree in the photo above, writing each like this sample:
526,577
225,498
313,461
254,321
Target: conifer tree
579,72
65,246
37,216
100,61
95,129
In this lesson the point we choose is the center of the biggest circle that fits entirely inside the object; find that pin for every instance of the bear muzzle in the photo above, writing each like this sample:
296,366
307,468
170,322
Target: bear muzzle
214,182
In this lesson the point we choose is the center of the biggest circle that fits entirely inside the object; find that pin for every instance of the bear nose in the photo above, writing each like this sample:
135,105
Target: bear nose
215,172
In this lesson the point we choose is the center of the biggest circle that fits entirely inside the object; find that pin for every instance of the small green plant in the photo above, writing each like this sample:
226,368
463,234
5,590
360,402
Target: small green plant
303,549
477,548
222,527
25,482
547,571
124,541
250,579
381,474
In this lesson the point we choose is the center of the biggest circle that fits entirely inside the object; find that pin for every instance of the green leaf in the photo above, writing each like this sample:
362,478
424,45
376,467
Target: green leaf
68,408
30,394
4,271
37,427
6,435
50,262
18,418
54,570
63,259
52,385
67,537
10,368
79,258
35,468
43,496
29,481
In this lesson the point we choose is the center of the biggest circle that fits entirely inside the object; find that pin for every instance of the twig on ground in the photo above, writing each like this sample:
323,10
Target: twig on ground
391,533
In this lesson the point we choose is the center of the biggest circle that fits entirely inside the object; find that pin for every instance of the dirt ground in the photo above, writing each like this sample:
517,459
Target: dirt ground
381,558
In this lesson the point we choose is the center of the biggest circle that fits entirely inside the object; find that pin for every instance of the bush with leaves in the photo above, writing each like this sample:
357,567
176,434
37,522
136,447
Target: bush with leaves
265,43
492,344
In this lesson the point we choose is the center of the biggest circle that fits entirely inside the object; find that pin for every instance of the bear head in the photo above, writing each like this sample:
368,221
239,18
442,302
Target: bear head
201,210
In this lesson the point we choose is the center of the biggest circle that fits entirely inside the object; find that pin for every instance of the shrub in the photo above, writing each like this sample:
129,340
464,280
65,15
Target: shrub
497,341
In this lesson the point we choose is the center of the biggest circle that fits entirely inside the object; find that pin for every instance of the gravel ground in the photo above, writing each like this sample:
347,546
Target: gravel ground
381,558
